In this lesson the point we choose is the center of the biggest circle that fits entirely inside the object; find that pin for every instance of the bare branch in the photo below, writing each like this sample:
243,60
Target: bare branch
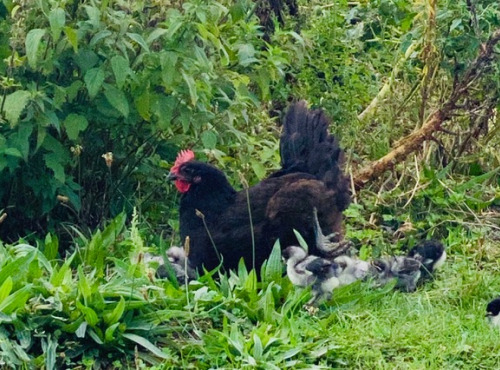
412,142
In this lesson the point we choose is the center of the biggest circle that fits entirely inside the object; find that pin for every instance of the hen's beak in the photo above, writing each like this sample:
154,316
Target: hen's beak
171,176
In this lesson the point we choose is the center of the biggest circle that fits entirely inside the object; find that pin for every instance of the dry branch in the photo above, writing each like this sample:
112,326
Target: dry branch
412,142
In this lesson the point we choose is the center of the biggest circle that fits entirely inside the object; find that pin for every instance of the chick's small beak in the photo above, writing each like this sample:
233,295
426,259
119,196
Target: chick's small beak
172,176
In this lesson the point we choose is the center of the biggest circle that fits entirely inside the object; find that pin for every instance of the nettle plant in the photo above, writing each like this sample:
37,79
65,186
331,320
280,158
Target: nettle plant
138,80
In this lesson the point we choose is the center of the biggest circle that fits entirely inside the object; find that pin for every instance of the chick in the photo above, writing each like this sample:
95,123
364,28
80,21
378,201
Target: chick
351,269
148,258
406,270
176,255
431,254
327,244
296,261
179,265
493,312
326,281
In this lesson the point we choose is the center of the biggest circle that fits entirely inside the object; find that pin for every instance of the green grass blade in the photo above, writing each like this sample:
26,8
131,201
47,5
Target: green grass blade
146,344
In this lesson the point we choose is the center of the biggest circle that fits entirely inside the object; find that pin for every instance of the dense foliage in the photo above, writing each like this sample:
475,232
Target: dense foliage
96,99
138,80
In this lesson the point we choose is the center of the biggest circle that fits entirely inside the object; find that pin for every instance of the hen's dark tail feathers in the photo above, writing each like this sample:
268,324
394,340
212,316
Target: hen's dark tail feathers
307,146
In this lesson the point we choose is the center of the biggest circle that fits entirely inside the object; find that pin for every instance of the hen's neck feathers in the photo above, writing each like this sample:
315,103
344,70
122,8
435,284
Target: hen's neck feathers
211,195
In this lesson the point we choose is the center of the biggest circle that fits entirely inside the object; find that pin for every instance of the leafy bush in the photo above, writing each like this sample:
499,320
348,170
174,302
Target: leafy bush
136,80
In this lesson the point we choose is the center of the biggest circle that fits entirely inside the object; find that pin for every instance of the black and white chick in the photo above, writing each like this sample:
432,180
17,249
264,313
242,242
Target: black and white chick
296,259
325,273
431,254
493,312
406,270
351,269
327,245
179,265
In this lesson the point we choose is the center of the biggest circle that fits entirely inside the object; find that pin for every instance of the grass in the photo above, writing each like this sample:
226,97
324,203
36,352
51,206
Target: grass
101,307
442,325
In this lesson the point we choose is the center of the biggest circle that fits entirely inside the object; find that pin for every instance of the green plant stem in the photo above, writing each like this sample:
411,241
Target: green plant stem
202,216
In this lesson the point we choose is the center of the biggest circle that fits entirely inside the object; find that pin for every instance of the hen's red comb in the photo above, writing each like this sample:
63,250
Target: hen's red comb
183,157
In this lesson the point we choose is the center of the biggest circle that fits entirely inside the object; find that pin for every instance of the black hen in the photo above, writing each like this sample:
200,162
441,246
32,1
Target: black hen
217,219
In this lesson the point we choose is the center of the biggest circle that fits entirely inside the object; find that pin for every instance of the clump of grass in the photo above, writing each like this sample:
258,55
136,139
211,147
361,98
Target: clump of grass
103,307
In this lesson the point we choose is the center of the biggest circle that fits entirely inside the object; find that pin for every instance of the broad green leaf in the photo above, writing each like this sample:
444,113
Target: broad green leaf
49,349
274,266
21,140
94,15
57,19
74,124
365,252
251,283
109,333
164,108
25,249
73,89
176,22
138,38
96,252
476,180
40,137
143,105
51,246
33,39
115,227
121,69
13,152
116,314
14,268
58,276
267,303
16,300
117,99
158,32
72,37
81,329
242,270
93,81
5,289
95,336
90,315
264,81
237,11
301,240
52,161
455,23
209,139
246,55
15,104
257,347
169,68
99,36
258,168
192,88
83,285
146,344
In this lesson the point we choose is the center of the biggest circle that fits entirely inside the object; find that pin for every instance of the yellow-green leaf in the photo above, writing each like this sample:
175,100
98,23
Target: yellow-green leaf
116,314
